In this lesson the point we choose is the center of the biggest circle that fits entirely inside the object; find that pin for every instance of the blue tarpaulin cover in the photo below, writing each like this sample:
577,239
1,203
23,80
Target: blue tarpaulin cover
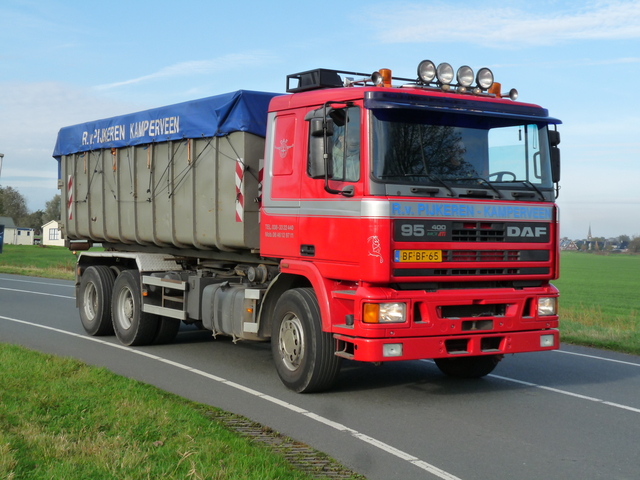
243,111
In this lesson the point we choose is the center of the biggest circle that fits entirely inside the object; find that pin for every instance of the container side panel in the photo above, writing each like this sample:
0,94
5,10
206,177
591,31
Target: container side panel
190,193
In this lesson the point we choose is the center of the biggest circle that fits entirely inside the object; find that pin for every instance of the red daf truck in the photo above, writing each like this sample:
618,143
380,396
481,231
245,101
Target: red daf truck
362,217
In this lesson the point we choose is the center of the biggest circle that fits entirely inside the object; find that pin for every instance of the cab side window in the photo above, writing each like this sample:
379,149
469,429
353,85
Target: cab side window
345,165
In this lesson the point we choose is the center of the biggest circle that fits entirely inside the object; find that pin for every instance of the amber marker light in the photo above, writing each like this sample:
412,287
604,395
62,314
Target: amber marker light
386,77
371,313
495,89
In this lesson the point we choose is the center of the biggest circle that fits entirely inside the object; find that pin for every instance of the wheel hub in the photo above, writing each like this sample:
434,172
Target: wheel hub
90,301
125,312
291,341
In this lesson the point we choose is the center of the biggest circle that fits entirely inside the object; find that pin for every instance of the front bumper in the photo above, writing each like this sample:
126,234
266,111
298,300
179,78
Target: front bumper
417,348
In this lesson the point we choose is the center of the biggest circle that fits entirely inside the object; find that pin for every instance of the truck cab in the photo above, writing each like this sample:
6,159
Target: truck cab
422,215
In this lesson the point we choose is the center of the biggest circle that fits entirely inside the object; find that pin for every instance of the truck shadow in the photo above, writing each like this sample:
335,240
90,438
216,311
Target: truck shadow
425,377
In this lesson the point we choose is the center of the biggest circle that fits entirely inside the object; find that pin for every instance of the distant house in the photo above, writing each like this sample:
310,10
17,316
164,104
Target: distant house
51,234
570,245
16,235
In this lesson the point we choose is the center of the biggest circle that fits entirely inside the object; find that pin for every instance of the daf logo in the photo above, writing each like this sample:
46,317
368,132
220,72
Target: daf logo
526,231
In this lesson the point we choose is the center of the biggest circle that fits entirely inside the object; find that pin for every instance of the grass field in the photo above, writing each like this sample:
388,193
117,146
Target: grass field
599,300
38,261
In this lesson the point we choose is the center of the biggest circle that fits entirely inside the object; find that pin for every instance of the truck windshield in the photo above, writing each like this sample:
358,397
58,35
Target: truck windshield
413,146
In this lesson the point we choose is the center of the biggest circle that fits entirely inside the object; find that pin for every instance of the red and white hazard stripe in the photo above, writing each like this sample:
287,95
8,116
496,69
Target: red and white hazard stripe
260,178
239,190
70,197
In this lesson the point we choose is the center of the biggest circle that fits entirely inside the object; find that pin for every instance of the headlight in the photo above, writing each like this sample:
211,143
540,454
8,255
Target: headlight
384,313
444,73
547,306
465,76
426,71
484,79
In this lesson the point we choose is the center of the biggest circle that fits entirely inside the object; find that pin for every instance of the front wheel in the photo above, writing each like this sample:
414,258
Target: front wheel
131,324
304,355
468,367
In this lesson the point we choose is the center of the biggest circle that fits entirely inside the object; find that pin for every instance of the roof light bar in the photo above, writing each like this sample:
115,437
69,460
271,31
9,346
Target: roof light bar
443,77
430,76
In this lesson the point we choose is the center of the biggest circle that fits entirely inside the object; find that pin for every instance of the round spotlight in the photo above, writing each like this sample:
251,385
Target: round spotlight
426,71
465,76
484,79
444,73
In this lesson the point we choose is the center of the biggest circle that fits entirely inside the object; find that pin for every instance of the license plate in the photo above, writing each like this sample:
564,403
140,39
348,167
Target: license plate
418,256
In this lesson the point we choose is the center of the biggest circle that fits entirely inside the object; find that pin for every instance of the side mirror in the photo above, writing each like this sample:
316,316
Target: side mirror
319,146
554,154
317,126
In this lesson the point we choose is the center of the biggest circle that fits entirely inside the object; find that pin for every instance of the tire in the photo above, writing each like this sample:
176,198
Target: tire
96,286
304,355
131,325
167,330
468,367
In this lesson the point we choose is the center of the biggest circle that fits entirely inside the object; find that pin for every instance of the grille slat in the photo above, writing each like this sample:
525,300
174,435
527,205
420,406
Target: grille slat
495,255
458,272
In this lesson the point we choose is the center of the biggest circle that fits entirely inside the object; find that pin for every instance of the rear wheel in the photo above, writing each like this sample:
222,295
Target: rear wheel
468,367
132,326
96,286
304,355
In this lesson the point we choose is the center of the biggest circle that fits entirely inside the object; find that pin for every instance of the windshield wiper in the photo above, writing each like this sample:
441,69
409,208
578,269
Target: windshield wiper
482,181
433,178
527,182
437,179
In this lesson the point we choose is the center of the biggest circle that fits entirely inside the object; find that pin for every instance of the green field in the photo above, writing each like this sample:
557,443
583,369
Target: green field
37,261
599,300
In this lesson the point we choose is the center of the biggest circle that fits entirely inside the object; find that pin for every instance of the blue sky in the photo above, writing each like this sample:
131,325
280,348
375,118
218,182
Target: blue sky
64,62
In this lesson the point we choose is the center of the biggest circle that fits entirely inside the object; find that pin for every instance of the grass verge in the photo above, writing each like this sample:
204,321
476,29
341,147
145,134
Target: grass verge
38,261
60,418
599,304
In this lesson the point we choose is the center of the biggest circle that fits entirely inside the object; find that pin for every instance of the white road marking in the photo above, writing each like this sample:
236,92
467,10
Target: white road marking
562,392
325,421
605,359
37,293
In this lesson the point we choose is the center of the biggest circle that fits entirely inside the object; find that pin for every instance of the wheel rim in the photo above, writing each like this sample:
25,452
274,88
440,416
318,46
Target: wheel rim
291,341
124,312
90,302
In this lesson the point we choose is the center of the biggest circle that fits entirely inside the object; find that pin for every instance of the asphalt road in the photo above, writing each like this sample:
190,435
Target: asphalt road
572,414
